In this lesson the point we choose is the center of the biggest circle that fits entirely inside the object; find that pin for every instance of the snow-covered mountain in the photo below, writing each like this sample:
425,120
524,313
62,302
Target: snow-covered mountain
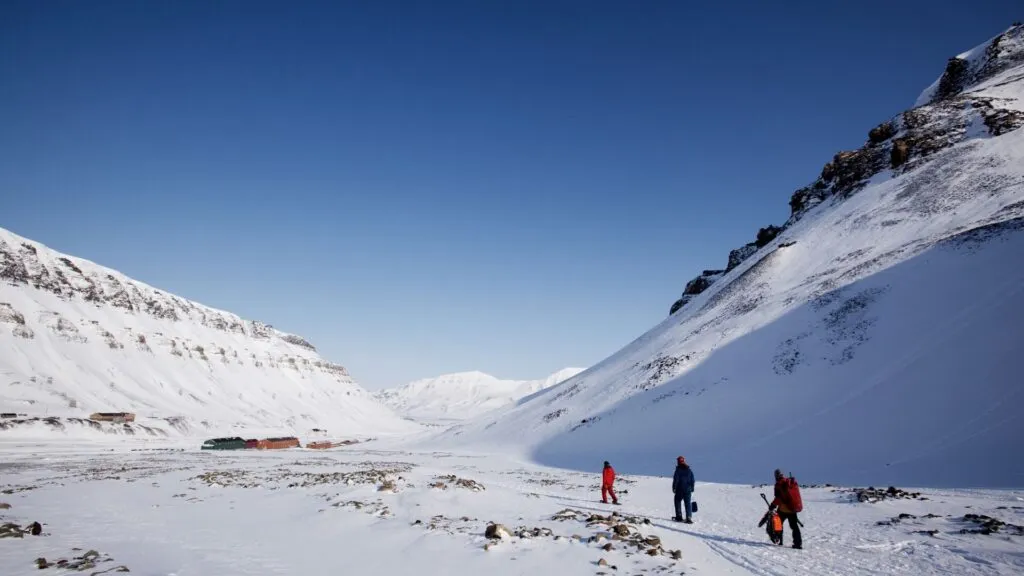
463,395
77,338
874,337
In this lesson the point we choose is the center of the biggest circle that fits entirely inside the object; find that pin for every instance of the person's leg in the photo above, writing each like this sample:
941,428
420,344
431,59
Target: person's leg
794,524
689,507
604,494
678,498
782,533
611,491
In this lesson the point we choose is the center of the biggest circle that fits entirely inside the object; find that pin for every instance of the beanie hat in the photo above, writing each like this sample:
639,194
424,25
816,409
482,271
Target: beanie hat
681,460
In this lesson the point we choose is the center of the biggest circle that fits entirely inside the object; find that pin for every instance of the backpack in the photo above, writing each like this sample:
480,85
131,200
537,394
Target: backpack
793,498
773,526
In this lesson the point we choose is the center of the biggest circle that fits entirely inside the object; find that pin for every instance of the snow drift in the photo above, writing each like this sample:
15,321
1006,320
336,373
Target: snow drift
873,338
77,338
463,395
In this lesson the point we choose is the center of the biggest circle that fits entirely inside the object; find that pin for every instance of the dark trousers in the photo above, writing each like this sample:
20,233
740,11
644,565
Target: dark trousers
680,498
794,525
605,491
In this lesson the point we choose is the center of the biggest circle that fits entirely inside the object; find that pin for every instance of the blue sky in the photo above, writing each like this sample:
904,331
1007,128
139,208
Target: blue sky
429,187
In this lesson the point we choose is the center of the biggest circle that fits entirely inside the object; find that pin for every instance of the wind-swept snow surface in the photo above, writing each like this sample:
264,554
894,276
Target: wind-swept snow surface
77,338
463,395
389,512
875,338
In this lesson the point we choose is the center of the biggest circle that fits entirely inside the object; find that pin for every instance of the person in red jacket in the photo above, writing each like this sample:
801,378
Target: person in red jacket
789,503
607,480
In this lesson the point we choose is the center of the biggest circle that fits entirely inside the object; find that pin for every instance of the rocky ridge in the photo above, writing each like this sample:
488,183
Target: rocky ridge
27,263
78,338
948,114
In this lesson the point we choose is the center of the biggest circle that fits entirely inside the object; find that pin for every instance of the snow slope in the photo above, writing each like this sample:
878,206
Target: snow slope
874,338
77,338
463,395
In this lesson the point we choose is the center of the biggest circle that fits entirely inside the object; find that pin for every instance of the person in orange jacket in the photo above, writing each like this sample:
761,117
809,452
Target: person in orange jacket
607,480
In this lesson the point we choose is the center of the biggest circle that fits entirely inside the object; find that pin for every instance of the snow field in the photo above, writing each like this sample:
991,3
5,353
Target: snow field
303,512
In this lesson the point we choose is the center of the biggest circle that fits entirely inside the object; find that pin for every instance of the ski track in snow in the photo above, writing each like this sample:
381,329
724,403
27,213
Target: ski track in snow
148,512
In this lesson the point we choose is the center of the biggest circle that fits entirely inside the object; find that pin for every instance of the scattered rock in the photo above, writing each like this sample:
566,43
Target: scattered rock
5,506
895,520
459,482
497,532
676,554
12,530
989,525
567,514
87,561
608,547
872,494
621,529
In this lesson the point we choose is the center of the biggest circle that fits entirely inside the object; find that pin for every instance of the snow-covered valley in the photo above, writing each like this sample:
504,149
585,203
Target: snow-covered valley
391,511
871,340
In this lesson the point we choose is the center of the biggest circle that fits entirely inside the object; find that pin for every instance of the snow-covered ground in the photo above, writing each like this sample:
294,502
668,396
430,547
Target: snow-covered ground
463,395
305,512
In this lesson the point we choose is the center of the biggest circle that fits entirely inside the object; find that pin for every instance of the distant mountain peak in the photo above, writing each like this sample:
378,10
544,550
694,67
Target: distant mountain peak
464,395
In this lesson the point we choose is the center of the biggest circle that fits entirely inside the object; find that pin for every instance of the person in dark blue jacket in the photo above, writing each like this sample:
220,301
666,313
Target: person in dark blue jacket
682,487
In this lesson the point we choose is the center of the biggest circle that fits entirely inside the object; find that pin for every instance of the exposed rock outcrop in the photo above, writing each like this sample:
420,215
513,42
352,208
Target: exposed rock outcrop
1003,52
904,142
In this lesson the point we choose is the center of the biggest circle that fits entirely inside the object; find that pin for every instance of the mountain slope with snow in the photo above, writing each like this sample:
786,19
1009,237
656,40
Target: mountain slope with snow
873,338
77,338
463,395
